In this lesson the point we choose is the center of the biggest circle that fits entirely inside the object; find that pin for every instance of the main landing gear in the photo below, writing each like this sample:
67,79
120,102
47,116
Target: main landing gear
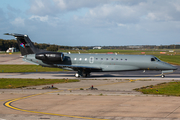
82,74
77,75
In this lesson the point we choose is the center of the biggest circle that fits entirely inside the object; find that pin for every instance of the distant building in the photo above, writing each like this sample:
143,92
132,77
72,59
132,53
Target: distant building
171,50
11,50
135,46
75,48
97,47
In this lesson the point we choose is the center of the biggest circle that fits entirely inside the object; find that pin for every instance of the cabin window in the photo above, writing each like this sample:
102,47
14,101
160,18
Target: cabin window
101,58
106,58
152,59
121,59
75,59
96,58
85,59
125,59
116,58
80,59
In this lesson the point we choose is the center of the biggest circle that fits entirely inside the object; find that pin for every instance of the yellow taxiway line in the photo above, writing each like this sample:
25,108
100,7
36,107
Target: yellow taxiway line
8,104
6,99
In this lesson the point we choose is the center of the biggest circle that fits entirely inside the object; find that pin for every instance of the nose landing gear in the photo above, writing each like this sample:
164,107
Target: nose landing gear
166,72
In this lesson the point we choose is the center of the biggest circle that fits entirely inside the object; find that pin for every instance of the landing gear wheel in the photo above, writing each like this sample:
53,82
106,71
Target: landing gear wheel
86,74
77,75
81,73
162,76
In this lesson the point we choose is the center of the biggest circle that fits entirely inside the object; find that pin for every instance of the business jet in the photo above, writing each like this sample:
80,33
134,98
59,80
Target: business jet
84,64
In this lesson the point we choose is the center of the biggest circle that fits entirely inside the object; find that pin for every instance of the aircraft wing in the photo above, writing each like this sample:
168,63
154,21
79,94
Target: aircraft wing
78,66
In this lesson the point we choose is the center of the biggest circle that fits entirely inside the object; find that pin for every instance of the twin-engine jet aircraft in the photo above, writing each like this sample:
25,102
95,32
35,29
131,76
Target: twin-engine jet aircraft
84,64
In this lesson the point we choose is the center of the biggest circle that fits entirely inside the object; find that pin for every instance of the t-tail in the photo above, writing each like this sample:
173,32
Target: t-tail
25,44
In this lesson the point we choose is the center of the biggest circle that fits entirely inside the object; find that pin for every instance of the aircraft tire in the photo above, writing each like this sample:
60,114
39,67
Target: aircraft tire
86,75
162,76
77,75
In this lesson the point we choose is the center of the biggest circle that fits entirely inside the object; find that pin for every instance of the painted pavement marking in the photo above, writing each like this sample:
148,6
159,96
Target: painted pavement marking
8,104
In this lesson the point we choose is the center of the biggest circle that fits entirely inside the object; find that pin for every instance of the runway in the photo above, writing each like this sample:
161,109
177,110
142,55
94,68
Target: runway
115,98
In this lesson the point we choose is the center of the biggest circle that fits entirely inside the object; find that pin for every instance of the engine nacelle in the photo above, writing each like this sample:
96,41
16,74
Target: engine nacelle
50,56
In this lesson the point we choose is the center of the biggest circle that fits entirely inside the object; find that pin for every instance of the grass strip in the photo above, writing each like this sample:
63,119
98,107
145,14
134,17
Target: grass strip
26,68
170,89
9,83
174,59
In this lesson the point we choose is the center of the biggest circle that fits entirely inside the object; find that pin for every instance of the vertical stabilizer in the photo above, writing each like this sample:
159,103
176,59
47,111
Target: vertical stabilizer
25,44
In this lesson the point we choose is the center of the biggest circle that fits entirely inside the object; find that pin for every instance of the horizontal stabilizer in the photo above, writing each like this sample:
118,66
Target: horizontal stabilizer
15,35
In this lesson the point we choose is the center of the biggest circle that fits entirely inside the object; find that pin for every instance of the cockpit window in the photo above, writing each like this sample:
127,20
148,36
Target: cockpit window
155,59
152,59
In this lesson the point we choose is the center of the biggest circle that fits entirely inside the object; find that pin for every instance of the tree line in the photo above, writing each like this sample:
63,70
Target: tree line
143,47
5,44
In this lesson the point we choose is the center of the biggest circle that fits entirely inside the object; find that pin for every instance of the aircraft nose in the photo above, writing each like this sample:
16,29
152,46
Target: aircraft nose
169,66
174,68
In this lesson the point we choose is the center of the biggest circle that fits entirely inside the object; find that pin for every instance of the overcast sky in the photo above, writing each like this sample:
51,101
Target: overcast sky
93,22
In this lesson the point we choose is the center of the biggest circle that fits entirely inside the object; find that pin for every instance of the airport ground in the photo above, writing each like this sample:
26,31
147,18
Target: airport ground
115,98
